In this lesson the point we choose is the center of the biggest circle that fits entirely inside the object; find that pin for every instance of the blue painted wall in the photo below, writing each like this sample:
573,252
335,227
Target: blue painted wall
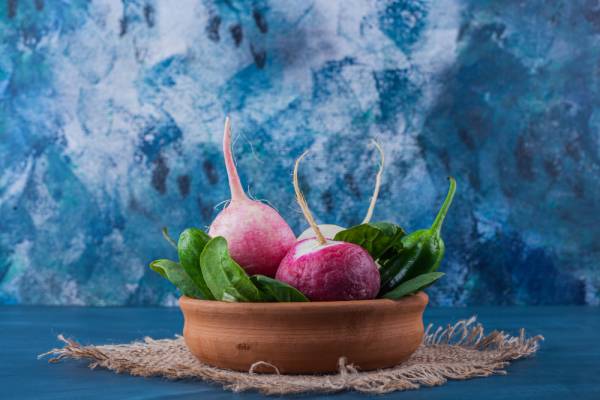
111,116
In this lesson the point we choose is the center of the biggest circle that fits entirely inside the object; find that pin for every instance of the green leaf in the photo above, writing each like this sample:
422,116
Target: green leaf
274,290
177,276
191,243
413,285
387,228
226,280
380,239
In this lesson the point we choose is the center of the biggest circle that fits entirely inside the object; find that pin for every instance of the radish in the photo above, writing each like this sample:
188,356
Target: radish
257,236
324,269
330,230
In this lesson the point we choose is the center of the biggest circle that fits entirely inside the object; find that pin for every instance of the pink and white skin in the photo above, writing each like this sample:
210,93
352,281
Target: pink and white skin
257,236
331,271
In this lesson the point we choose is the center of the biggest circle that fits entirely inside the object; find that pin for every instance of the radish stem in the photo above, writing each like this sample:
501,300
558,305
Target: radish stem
168,238
377,184
235,186
304,205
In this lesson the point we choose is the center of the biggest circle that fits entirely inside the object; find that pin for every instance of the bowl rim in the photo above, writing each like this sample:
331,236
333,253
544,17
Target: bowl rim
418,300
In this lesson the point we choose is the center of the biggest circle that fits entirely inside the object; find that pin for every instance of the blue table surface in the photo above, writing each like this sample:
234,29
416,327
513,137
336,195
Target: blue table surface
566,367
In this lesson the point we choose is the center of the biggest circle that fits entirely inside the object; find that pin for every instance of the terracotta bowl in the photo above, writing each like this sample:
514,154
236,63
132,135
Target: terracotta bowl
304,337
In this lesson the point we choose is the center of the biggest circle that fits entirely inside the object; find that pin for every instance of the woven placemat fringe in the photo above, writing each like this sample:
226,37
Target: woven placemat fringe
459,351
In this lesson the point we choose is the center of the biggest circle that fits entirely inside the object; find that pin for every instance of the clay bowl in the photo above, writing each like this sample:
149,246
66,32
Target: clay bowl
304,337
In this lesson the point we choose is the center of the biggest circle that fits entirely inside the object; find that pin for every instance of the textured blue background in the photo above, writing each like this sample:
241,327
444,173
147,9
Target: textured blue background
111,117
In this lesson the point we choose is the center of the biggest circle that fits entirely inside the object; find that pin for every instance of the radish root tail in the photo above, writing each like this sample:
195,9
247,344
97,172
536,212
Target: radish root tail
377,184
304,205
235,186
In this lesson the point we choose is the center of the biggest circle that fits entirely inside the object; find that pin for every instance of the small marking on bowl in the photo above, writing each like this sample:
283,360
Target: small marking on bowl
243,346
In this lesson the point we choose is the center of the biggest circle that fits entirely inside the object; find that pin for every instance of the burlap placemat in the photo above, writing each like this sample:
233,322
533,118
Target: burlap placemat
459,351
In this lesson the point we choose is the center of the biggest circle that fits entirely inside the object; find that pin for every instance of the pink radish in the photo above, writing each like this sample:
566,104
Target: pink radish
324,269
330,230
257,236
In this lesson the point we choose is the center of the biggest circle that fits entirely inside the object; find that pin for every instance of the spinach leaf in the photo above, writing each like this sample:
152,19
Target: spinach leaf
413,285
387,228
191,243
381,239
226,280
274,290
173,272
